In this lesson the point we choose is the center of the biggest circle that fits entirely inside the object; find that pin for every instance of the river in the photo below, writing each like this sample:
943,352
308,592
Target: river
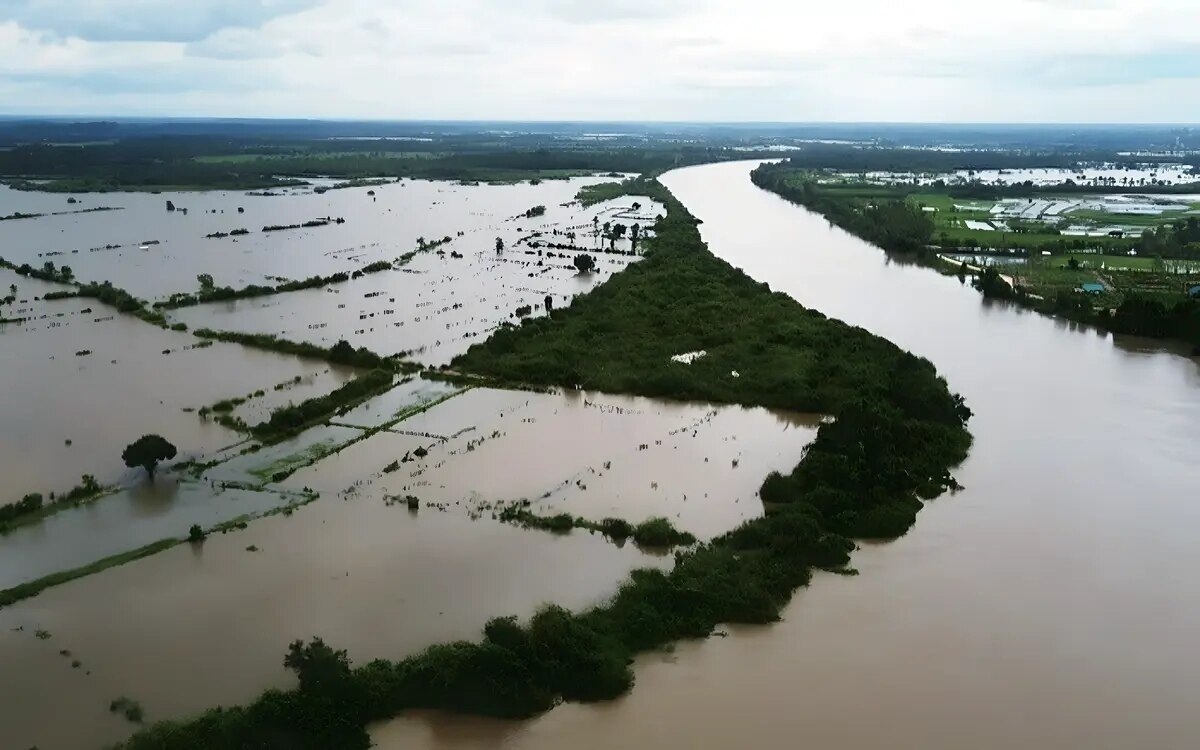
1053,603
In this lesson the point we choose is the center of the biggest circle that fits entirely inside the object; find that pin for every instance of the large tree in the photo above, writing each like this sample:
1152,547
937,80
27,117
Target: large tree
147,451
584,262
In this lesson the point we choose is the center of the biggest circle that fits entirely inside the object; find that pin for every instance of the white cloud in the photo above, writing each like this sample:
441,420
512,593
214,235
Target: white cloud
1064,60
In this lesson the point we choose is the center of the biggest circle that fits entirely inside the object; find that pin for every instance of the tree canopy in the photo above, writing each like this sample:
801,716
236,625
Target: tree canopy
147,451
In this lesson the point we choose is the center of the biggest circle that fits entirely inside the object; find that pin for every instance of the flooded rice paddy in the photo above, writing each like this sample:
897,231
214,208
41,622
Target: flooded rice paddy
369,574
318,535
81,381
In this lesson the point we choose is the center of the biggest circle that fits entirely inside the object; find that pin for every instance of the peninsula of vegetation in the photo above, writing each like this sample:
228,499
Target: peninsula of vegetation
897,431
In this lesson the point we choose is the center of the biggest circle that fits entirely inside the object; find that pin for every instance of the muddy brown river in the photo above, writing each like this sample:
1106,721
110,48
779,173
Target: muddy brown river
1051,604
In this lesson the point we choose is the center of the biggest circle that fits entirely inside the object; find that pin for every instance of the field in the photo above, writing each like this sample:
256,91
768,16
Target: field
957,220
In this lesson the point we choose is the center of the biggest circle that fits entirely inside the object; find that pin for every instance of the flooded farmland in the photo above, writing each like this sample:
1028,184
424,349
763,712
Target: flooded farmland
1050,604
376,529
81,381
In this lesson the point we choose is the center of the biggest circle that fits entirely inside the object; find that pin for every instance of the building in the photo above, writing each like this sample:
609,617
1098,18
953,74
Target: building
1194,291
1091,288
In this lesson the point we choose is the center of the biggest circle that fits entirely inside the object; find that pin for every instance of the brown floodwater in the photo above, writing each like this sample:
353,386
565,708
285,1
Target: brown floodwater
1051,604
152,252
441,302
80,382
204,625
589,454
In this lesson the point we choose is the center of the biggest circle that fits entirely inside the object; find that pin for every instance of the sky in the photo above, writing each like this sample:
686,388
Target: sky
700,60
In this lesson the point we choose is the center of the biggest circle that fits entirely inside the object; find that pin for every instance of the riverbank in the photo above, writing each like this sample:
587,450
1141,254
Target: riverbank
901,228
896,433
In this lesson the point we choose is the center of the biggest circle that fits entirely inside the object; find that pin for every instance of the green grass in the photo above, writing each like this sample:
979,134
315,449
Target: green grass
1121,262
1106,218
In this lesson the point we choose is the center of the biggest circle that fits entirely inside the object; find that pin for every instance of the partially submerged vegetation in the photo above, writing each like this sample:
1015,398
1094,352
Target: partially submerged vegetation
15,594
897,432
34,507
341,353
293,418
654,532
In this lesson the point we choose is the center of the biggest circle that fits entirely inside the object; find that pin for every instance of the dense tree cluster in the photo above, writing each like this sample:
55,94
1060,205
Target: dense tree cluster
894,224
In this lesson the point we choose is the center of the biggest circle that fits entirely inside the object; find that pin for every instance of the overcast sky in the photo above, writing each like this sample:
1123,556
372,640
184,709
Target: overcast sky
777,60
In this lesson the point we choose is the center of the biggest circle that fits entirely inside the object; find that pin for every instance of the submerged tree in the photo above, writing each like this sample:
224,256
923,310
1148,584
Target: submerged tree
147,451
499,246
206,281
584,262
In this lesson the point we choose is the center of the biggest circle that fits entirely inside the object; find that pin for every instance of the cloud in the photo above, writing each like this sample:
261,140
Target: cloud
1066,60
144,20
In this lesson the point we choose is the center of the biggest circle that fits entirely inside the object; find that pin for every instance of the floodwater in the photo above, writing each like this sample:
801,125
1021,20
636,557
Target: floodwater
442,301
1053,603
204,625
80,382
108,245
588,454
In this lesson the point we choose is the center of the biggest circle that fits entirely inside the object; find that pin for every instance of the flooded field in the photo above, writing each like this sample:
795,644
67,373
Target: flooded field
442,301
81,381
153,252
367,573
1050,604
588,454
1101,175
208,624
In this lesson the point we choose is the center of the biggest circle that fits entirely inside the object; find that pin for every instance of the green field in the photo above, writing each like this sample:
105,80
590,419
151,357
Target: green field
1095,261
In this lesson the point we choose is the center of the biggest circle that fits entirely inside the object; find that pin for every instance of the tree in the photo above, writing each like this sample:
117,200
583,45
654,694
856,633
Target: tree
499,246
634,233
1073,264
206,281
549,303
195,534
320,668
147,451
585,262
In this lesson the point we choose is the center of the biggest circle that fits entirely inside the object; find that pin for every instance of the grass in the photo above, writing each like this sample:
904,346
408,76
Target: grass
1094,261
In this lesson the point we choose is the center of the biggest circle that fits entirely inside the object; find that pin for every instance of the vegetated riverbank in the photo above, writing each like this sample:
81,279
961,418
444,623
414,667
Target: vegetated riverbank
900,227
897,432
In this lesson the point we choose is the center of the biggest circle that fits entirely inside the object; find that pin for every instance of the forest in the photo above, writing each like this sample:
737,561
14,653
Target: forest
200,162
